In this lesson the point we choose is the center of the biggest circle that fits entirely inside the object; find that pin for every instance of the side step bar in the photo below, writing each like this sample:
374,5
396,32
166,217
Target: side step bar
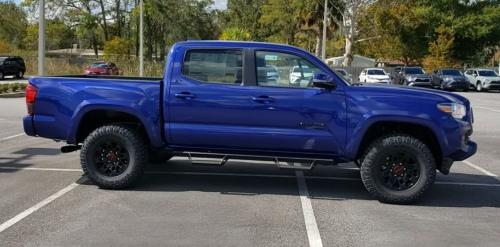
281,162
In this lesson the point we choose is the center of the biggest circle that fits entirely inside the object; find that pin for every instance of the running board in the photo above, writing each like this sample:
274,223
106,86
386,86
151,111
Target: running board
213,159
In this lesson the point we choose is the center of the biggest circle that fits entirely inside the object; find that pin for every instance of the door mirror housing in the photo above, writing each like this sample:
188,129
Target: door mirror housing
323,81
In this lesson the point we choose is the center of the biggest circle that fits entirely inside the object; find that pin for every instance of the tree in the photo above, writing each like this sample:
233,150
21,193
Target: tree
116,48
235,33
13,24
440,50
244,14
58,35
4,47
349,16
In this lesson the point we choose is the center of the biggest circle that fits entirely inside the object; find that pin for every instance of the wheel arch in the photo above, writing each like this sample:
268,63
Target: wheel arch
91,117
422,131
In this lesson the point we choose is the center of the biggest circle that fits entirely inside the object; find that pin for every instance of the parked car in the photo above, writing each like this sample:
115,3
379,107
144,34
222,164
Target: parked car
343,73
10,65
374,75
203,107
301,75
483,79
450,79
102,68
411,76
271,74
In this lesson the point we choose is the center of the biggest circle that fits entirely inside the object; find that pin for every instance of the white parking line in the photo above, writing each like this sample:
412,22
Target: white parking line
11,137
307,209
486,108
491,174
4,226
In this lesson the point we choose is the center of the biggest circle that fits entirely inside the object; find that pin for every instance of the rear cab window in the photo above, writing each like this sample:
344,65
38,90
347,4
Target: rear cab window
213,66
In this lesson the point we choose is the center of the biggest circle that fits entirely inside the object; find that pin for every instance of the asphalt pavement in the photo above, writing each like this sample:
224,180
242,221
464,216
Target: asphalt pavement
45,200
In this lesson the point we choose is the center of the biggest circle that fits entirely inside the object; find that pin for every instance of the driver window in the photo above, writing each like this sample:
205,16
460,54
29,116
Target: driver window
275,69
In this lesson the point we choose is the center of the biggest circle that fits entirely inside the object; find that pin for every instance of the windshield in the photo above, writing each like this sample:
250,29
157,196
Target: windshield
376,72
342,72
414,71
451,72
487,73
99,65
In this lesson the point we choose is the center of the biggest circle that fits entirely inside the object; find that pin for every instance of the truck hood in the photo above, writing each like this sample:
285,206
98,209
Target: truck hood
412,93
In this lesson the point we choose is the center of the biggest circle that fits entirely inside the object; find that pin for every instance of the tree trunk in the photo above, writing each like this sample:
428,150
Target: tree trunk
317,50
348,56
104,23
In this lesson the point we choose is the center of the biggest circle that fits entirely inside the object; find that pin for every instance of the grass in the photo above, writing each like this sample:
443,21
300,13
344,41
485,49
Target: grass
76,66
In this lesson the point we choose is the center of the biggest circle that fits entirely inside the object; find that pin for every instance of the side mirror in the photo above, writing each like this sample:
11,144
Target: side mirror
323,81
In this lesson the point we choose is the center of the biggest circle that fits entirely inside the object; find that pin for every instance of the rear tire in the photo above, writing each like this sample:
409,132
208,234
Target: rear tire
393,181
20,74
114,156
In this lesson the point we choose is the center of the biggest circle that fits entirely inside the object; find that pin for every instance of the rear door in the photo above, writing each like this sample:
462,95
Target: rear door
208,105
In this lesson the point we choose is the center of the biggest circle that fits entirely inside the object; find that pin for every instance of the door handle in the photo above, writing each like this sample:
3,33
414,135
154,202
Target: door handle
185,95
263,99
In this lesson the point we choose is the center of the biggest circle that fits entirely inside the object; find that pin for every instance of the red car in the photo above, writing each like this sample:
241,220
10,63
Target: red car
102,68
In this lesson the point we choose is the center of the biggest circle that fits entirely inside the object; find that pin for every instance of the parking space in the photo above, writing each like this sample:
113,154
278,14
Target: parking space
45,201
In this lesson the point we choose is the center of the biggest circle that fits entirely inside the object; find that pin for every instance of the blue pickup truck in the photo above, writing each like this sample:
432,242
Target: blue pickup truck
223,100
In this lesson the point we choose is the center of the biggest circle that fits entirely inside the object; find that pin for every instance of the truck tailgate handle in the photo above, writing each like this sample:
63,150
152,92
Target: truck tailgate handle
263,99
185,95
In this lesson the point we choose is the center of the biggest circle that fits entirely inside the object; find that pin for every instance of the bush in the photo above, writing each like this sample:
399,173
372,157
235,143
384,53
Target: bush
3,88
14,87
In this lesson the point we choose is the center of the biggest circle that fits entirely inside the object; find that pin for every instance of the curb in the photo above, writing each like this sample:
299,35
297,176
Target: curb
12,95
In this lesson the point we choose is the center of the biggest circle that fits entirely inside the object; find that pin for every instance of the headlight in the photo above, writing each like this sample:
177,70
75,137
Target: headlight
448,79
456,110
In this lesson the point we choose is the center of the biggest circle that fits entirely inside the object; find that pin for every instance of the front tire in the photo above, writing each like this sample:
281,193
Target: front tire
398,169
114,156
479,87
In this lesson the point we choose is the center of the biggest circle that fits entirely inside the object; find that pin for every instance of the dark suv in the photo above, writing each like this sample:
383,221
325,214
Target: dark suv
12,66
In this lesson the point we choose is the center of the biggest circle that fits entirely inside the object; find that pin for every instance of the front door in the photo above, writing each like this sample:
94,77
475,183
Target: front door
290,115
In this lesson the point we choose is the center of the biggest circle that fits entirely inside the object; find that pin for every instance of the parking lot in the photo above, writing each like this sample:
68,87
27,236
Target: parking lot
45,201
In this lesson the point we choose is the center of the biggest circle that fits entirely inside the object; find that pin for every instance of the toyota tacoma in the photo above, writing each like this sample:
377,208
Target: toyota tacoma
216,101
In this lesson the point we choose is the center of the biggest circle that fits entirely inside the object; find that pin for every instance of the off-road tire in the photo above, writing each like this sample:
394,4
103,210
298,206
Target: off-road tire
132,141
371,164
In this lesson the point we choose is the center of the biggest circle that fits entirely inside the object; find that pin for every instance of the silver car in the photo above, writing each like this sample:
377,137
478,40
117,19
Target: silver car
483,79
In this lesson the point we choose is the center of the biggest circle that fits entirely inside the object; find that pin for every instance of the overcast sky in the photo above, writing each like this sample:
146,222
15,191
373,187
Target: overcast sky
218,4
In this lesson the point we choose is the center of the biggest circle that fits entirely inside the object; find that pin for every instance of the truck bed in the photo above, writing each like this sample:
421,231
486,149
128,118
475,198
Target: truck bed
63,101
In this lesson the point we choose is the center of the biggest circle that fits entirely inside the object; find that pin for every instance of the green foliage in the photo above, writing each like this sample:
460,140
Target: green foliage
58,35
244,14
235,33
116,48
4,47
13,24
440,50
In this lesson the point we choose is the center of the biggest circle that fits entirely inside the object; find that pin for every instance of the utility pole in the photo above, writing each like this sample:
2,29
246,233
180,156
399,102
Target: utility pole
325,23
141,38
41,37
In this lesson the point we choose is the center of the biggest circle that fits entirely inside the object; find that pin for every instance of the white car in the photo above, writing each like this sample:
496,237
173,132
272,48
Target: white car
301,75
483,79
374,75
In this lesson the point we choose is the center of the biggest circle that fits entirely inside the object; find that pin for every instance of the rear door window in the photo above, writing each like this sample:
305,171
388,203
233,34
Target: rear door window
214,66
